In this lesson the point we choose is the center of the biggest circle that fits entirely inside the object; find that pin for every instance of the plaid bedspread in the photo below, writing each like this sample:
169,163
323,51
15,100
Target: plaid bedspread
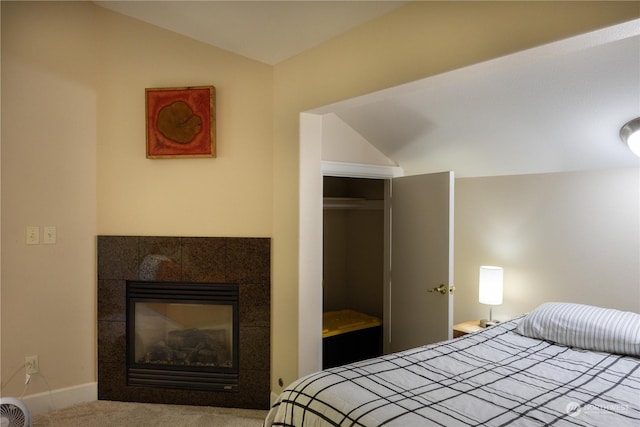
490,378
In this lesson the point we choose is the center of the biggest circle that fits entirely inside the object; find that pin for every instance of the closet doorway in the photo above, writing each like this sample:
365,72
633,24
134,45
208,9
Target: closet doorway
353,268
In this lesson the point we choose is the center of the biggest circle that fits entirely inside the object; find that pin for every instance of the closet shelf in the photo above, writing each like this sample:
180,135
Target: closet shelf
352,203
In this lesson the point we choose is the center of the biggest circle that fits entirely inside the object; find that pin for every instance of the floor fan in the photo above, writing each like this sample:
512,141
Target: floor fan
14,413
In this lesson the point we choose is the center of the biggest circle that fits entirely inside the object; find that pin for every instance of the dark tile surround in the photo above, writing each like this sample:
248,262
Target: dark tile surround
245,261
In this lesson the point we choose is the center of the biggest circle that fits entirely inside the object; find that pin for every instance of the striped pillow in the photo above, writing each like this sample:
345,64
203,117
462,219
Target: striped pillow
584,326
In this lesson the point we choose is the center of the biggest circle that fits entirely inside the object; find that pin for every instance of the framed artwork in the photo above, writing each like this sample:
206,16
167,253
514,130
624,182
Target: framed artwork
181,122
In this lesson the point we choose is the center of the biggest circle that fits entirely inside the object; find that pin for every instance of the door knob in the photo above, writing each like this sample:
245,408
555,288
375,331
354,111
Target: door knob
442,289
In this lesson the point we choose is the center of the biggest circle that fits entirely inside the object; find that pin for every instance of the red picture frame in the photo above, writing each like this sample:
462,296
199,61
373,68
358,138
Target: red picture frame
181,122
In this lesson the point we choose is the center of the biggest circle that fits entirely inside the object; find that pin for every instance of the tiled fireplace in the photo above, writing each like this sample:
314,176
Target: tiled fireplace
238,266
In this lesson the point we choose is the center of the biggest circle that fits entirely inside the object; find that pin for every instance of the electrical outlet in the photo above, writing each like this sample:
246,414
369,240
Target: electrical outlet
31,365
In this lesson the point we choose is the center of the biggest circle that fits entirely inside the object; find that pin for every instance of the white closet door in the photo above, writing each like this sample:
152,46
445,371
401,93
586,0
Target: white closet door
421,260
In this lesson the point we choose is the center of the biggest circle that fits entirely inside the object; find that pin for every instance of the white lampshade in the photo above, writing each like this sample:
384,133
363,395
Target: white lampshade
490,285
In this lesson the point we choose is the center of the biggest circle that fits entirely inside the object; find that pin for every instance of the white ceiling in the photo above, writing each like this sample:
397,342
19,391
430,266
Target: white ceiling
268,31
558,107
554,108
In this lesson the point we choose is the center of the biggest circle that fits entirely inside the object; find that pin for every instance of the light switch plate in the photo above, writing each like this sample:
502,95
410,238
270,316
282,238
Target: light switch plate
33,235
49,235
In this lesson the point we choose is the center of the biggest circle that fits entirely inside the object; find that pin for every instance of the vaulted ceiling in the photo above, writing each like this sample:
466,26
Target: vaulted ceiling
554,108
268,31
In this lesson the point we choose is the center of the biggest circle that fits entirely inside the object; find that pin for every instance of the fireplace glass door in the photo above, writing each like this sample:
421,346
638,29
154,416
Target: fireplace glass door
182,335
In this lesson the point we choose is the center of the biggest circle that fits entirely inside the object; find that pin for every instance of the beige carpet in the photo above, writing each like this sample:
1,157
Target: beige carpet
103,413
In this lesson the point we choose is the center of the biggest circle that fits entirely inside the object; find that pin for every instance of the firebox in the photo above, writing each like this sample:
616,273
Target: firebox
182,335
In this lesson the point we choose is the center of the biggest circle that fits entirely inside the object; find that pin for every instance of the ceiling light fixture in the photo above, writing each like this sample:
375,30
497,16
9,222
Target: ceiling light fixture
630,134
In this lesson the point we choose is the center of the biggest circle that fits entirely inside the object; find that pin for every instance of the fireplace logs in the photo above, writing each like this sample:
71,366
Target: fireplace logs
191,347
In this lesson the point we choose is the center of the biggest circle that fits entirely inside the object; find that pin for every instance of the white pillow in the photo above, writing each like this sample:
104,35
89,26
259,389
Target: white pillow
584,326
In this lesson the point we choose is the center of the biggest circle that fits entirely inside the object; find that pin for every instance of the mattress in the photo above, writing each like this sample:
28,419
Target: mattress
493,377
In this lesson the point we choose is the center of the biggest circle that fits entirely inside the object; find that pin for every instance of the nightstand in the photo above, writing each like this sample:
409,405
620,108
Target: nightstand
466,328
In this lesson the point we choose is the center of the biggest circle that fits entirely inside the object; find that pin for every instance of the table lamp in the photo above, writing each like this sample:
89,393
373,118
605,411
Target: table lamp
490,291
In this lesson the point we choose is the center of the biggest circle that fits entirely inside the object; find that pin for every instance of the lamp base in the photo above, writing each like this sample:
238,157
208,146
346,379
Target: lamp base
485,323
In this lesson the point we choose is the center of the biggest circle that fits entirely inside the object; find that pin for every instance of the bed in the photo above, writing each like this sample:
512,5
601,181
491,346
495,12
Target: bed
562,364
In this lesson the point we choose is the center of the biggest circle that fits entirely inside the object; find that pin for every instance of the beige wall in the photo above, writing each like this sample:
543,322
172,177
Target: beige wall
73,79
73,156
226,196
559,237
49,120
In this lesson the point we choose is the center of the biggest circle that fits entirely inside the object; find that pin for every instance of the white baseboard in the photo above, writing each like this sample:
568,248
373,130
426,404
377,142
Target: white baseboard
41,403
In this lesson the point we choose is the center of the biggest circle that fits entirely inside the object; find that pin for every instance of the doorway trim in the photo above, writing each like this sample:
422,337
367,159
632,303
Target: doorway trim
359,170
312,169
310,245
